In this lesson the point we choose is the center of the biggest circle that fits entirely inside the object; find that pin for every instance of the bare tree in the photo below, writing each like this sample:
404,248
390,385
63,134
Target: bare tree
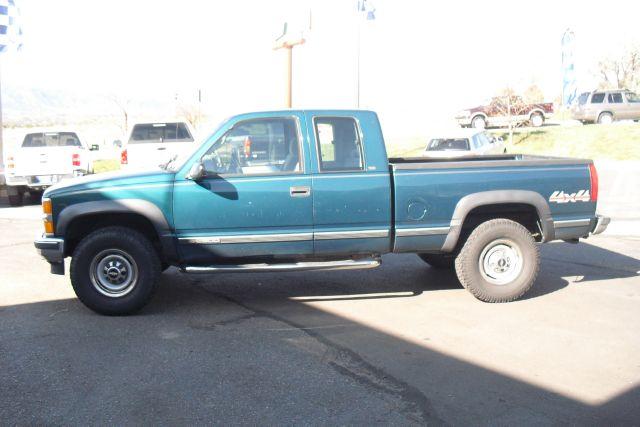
621,72
191,113
123,105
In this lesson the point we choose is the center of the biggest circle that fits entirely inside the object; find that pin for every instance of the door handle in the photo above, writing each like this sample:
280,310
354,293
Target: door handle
302,191
161,148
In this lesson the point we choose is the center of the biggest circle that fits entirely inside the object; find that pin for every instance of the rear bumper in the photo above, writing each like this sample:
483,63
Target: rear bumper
52,250
601,224
41,181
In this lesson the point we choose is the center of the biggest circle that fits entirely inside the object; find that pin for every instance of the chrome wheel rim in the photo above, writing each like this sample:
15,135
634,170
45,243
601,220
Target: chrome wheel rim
501,262
113,273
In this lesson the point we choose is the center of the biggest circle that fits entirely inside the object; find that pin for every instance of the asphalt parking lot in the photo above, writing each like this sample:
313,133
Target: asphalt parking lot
401,344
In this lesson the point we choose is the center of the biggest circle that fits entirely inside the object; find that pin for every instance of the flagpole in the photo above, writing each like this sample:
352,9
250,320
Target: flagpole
358,61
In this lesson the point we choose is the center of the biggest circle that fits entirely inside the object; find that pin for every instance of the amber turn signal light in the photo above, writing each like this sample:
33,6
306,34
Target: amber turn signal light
46,206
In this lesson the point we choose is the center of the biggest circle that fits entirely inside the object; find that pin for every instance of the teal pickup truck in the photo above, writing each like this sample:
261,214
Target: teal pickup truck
313,190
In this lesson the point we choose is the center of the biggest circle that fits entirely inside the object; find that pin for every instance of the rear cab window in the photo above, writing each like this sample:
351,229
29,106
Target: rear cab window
51,139
160,132
448,144
339,145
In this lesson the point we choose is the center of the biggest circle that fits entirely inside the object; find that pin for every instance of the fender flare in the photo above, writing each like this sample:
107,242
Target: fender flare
144,208
497,197
536,111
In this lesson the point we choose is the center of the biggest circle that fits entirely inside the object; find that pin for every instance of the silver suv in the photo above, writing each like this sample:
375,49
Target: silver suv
605,106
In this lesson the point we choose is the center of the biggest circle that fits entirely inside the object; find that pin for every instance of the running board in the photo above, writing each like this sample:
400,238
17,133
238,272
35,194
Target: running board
347,264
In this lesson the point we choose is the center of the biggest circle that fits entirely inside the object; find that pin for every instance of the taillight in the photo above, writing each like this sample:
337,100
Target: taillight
593,174
75,159
10,163
123,157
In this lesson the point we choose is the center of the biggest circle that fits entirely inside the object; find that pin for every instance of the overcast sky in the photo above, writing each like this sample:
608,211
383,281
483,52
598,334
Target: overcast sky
420,61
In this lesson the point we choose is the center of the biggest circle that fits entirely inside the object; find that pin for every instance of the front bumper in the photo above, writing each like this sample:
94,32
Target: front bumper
52,250
601,224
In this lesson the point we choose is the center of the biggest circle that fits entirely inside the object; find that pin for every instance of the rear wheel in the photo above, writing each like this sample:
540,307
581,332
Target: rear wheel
536,120
115,270
439,261
605,118
499,261
479,122
15,196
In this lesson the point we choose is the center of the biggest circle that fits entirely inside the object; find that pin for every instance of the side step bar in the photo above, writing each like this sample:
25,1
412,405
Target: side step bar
347,264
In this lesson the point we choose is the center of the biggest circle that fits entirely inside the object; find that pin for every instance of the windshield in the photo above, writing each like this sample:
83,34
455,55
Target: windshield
51,139
160,132
461,144
632,97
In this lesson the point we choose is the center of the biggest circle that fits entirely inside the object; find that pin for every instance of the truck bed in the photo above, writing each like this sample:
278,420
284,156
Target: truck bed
482,161
428,192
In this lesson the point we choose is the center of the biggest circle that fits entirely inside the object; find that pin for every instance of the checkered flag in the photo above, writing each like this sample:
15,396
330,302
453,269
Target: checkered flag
10,29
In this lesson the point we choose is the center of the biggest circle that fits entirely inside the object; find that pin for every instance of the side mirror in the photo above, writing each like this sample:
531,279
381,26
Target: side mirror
197,172
94,147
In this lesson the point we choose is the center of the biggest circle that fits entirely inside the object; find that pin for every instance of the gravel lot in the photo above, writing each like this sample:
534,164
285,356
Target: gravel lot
400,344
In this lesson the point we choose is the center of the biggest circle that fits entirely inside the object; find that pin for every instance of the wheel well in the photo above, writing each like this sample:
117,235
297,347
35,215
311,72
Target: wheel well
605,112
484,116
83,225
534,112
522,213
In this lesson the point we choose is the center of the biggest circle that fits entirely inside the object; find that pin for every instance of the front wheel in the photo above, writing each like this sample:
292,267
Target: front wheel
499,261
115,270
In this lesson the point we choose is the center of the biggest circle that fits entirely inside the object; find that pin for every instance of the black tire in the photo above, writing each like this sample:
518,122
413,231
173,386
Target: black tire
604,118
439,261
36,196
119,244
479,122
489,237
16,199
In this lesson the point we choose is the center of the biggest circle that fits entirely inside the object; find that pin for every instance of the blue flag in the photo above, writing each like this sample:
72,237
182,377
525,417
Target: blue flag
10,29
367,9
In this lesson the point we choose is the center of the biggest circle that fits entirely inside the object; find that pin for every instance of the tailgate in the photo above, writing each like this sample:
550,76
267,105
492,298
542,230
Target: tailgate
152,154
45,161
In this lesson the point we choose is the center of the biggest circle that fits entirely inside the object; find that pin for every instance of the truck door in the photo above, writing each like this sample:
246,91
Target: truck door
255,198
350,184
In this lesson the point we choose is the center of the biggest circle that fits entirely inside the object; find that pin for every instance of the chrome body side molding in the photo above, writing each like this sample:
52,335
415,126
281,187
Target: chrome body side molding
426,231
355,234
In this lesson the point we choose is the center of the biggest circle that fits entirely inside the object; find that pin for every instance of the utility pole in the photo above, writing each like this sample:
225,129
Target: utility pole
289,45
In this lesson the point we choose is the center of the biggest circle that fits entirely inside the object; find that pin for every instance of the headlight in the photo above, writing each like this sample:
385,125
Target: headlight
47,216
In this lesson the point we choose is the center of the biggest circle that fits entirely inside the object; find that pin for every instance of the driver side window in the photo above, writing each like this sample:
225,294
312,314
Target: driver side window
256,147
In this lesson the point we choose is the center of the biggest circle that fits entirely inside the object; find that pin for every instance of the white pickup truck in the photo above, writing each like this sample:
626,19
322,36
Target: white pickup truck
44,159
152,144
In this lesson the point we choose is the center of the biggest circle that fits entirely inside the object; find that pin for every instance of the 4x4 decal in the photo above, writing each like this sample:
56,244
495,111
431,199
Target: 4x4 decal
562,197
